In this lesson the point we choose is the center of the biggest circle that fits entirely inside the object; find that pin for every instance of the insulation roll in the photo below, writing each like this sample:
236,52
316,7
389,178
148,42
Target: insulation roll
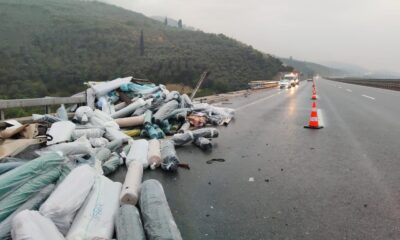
154,154
126,111
158,221
138,152
103,154
128,224
130,121
131,187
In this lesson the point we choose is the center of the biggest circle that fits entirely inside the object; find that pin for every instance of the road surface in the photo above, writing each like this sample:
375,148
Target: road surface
281,181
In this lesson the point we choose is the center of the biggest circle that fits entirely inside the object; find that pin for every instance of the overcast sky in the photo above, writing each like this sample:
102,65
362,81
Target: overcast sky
361,32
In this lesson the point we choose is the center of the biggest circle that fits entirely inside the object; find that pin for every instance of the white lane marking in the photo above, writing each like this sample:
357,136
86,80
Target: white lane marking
340,87
255,102
368,97
349,90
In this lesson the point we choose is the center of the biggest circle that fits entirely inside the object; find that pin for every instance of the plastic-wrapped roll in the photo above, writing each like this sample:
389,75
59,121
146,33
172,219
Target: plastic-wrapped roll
182,138
128,224
95,219
11,180
148,115
16,198
206,132
130,121
103,154
60,132
131,187
165,110
170,160
203,143
115,134
158,221
90,133
105,87
32,204
79,146
185,127
138,152
128,110
154,154
119,106
115,144
71,192
5,167
98,142
33,226
112,164
140,111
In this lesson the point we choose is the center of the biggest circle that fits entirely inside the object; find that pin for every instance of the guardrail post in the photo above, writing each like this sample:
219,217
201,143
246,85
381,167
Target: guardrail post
47,109
2,117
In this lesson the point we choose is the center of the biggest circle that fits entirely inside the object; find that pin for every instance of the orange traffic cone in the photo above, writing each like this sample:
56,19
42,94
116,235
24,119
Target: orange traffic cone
314,120
314,95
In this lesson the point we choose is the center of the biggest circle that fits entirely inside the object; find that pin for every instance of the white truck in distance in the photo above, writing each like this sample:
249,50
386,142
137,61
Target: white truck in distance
289,80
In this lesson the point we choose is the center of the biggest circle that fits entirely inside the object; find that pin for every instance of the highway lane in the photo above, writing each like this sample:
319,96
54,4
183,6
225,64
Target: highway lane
340,182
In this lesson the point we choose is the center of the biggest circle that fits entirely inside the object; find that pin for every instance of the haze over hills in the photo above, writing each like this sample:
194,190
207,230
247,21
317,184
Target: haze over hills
50,47
309,69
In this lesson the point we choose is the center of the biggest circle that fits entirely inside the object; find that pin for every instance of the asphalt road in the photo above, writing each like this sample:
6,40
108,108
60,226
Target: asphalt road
339,182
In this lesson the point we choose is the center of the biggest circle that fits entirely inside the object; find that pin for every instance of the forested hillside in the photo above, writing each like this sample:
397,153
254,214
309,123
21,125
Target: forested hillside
50,47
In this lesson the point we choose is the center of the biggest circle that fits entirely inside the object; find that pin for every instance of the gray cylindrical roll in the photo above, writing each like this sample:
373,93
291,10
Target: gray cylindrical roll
131,187
128,224
112,164
185,127
120,106
170,160
203,143
154,154
130,121
147,117
165,110
128,110
32,204
206,132
115,144
158,221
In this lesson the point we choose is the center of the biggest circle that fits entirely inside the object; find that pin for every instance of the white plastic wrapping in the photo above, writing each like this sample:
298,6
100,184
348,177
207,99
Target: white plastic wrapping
126,111
105,87
80,146
89,132
61,132
68,197
83,113
131,187
138,152
115,134
95,219
98,142
30,225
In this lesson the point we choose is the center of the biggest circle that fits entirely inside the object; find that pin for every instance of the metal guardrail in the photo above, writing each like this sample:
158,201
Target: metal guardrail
37,102
378,83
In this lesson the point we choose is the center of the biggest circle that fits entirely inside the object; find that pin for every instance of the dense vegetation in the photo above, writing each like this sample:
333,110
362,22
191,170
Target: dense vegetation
51,47
309,69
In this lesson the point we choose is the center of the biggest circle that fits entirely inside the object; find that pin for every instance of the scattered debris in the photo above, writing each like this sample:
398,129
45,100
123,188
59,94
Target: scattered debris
251,179
60,188
215,160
